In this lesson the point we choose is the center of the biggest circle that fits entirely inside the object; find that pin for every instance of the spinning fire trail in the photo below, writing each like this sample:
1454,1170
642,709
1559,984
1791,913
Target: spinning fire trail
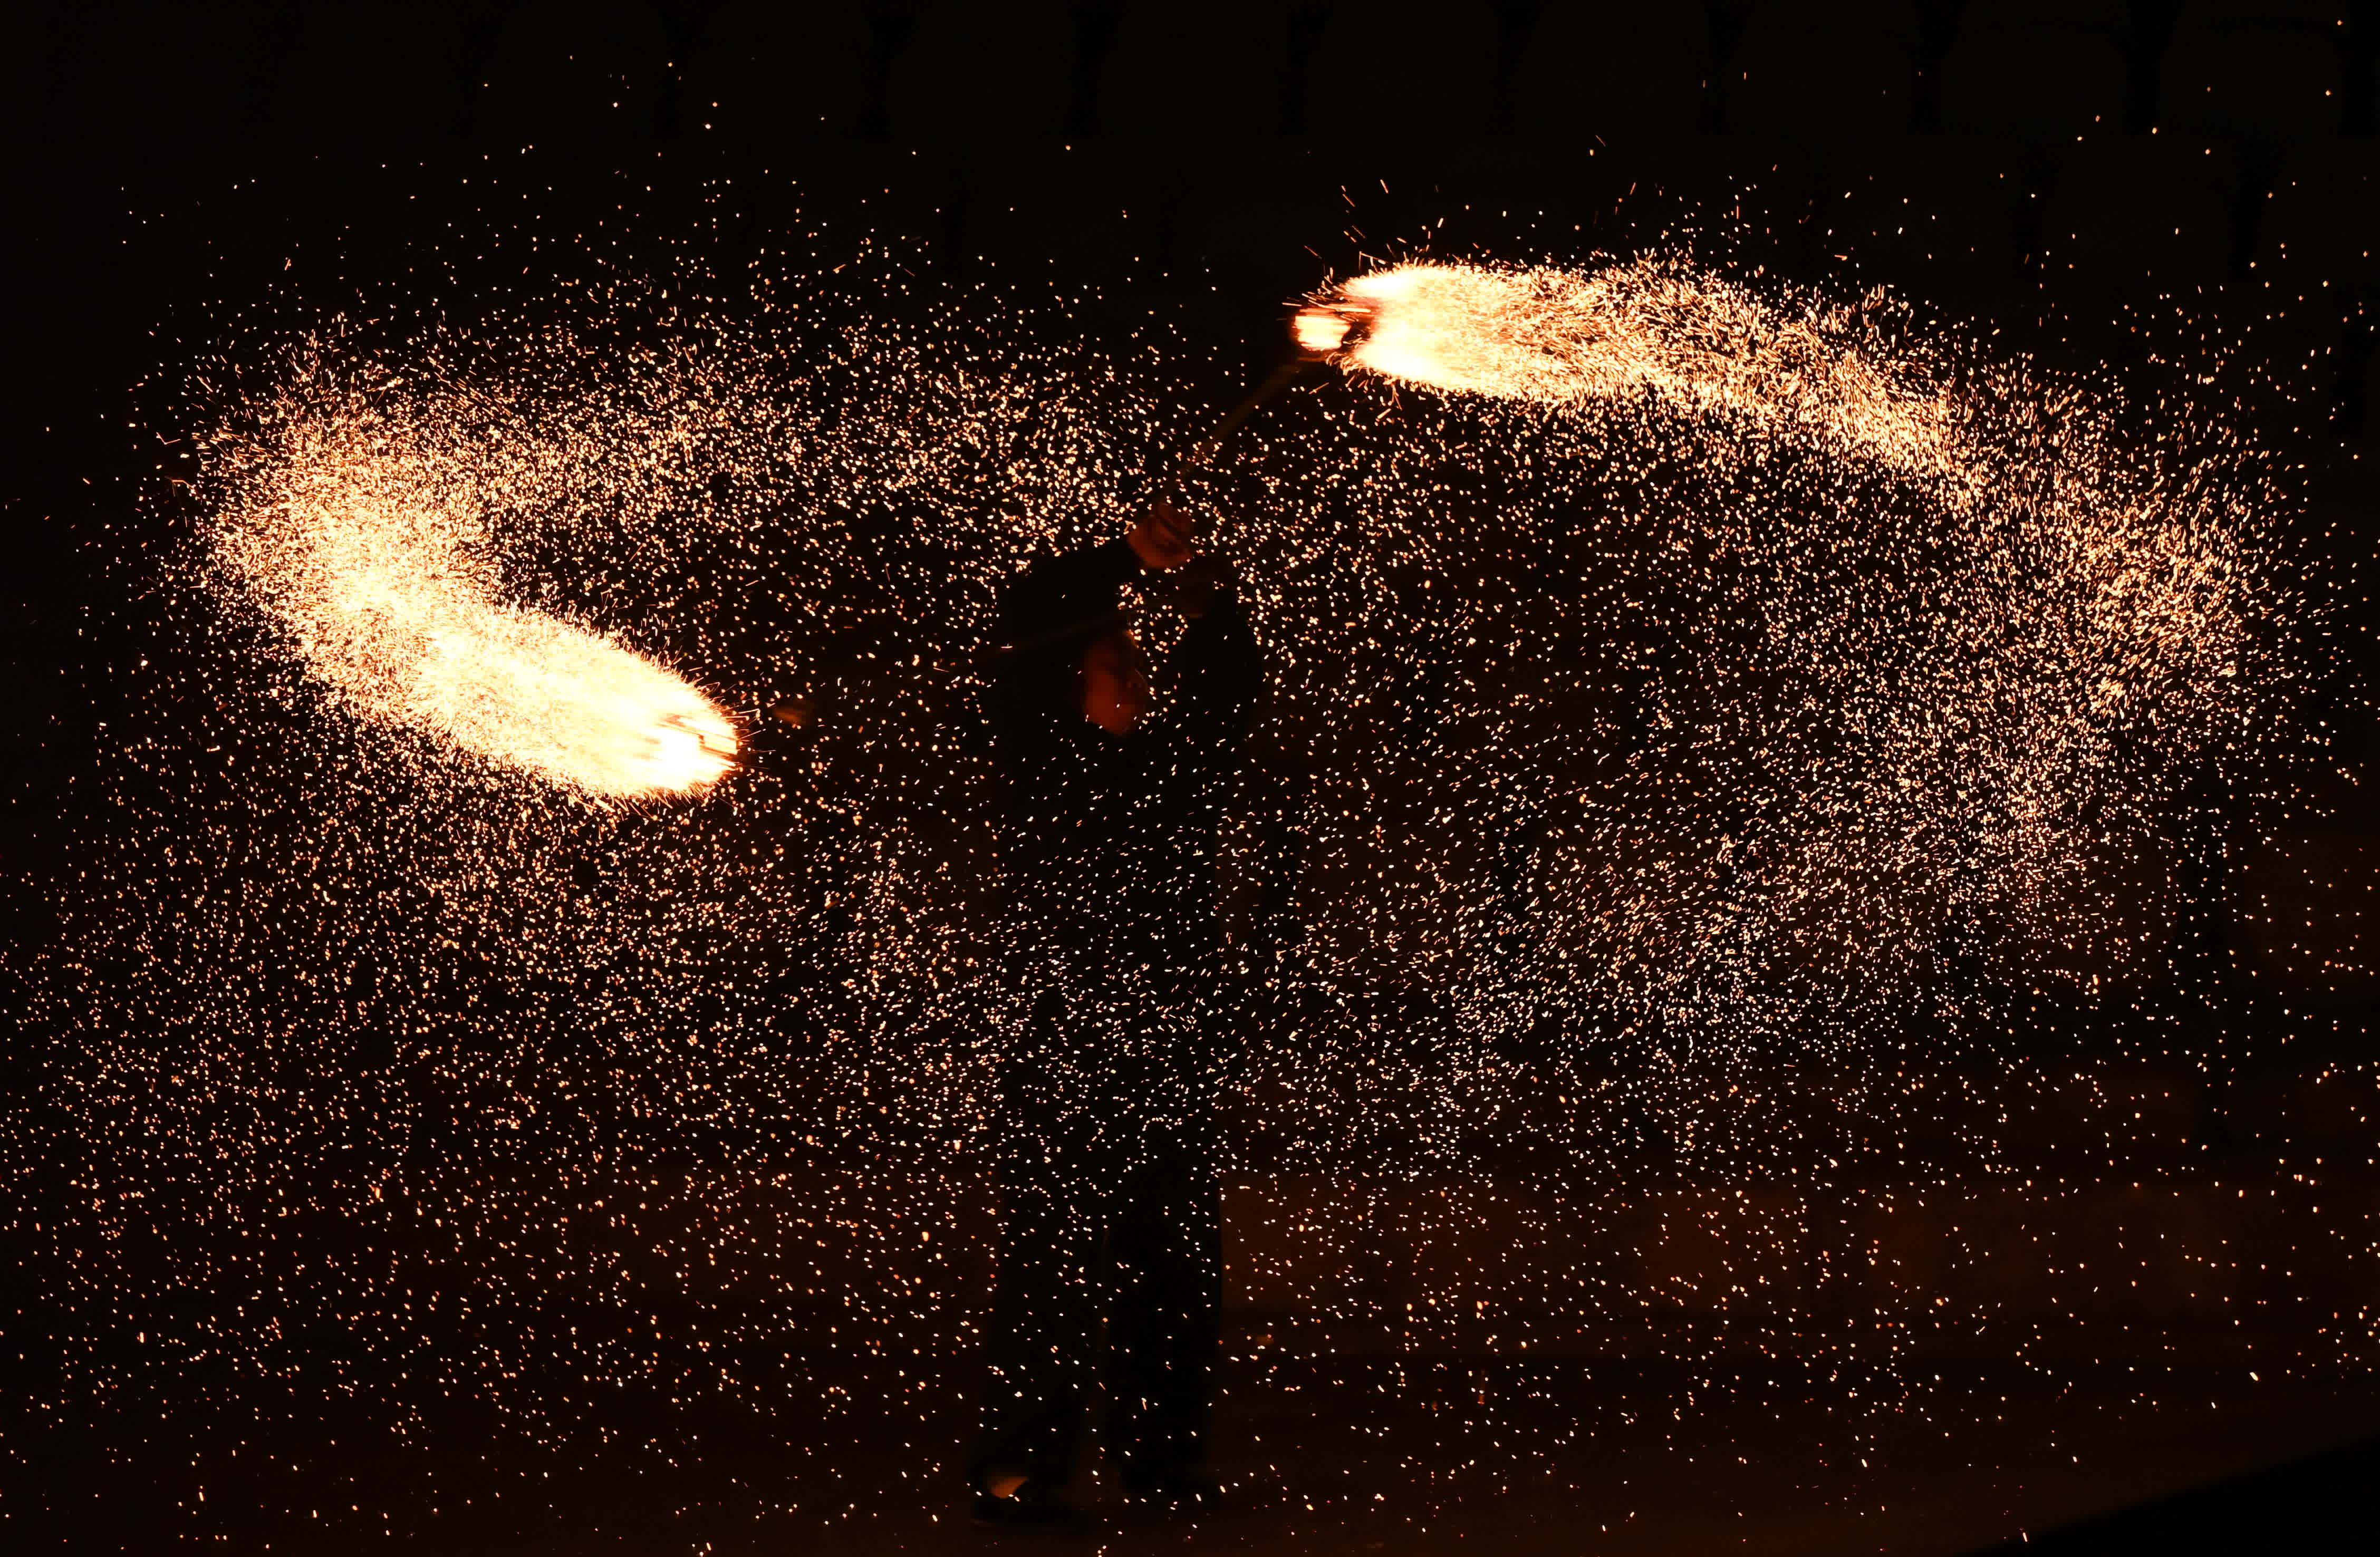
355,541
1561,338
1895,640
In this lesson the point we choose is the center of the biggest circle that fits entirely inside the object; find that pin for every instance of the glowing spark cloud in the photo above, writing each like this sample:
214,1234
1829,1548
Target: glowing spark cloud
1558,337
1704,738
361,553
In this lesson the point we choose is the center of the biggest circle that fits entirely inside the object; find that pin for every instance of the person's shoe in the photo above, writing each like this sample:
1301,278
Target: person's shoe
1174,1492
1029,1507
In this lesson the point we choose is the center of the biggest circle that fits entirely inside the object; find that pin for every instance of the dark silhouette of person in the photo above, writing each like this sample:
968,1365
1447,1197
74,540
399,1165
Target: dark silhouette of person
1109,1043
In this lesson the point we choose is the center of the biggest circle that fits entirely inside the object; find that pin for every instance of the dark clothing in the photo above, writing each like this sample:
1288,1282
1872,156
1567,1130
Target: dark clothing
1108,1045
1107,849
1146,1248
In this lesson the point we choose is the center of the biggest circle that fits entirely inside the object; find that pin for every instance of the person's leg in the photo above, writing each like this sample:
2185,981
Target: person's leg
1043,1327
1165,1273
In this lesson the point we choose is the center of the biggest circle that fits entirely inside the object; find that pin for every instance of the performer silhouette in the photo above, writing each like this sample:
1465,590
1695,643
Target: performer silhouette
1108,1205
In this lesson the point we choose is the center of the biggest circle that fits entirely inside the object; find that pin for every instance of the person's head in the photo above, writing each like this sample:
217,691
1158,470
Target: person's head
1112,678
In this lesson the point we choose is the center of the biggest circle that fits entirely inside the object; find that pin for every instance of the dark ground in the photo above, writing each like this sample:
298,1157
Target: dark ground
1340,1454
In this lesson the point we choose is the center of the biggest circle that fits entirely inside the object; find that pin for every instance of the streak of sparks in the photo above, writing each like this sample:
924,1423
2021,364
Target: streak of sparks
354,544
1558,337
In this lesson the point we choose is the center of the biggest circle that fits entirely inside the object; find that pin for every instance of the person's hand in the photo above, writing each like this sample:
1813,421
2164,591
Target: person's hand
1161,539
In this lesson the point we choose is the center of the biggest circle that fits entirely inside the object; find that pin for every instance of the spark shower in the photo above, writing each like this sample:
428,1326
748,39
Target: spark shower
1684,689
